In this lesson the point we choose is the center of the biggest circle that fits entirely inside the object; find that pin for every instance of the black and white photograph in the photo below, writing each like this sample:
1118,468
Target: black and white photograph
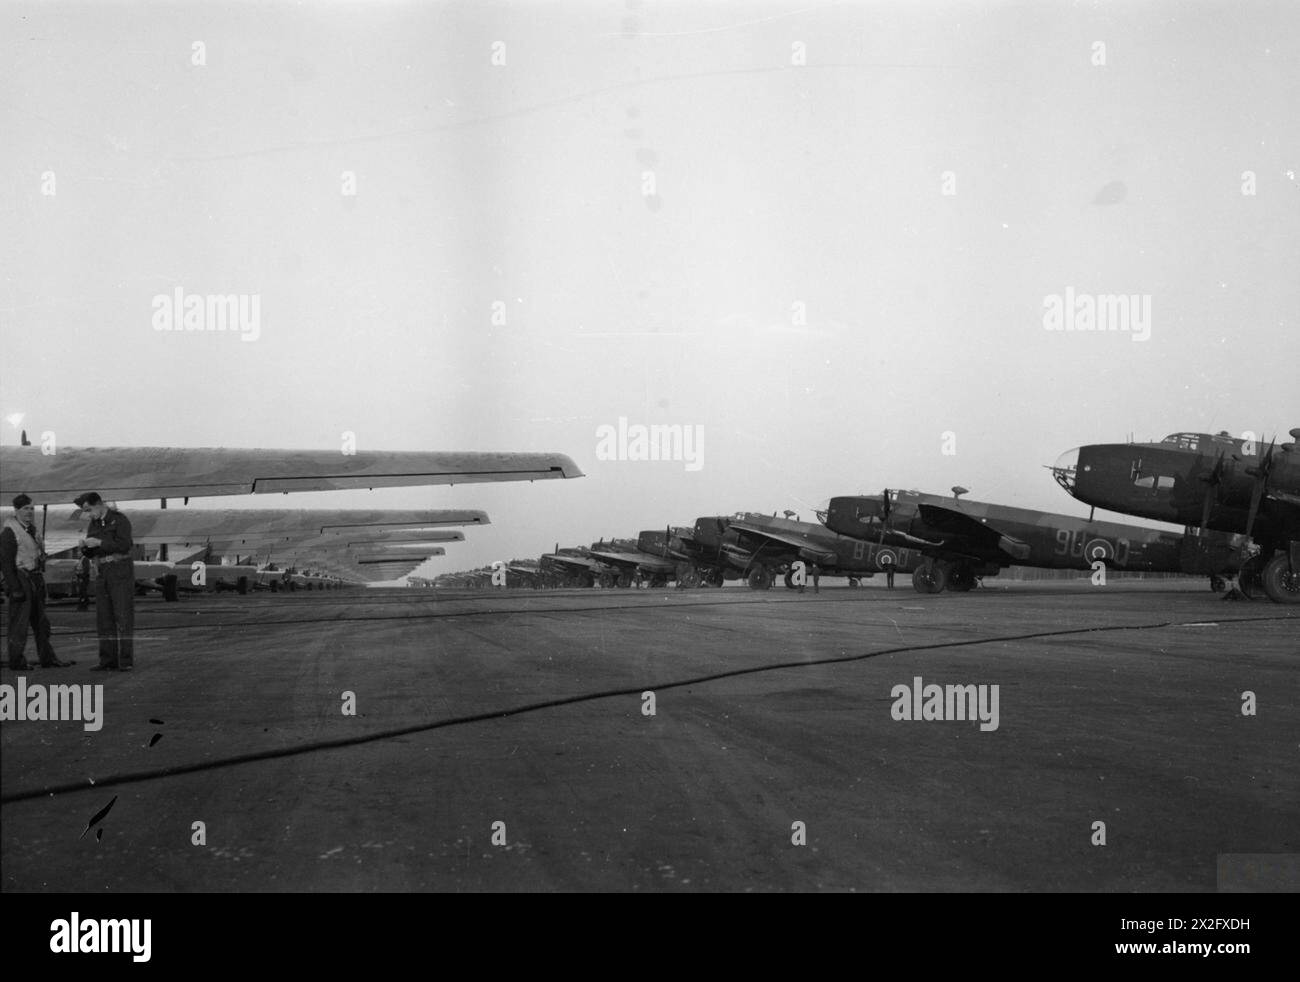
637,447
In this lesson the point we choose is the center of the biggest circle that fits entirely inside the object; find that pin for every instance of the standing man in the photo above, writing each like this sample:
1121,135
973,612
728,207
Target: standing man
817,578
889,575
108,544
22,563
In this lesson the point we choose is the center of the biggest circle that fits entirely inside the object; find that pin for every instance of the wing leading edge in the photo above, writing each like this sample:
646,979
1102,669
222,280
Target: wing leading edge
132,473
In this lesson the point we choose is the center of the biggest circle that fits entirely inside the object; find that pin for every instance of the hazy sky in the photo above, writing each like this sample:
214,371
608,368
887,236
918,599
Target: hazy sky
734,216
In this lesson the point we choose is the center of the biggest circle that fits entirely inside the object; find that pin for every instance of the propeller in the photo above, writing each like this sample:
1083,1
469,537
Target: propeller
1261,482
1213,480
885,510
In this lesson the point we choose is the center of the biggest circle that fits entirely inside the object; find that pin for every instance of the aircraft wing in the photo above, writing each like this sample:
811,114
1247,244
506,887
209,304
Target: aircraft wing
645,560
388,558
797,542
967,532
127,473
575,562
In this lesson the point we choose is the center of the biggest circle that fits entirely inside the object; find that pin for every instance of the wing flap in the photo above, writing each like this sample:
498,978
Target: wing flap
967,531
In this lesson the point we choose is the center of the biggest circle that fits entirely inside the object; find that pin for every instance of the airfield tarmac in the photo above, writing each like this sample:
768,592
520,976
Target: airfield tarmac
1119,704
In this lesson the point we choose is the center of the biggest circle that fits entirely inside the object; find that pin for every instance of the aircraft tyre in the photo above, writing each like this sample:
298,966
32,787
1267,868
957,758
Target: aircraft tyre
930,578
1281,581
1248,579
760,578
854,581
624,581
690,578
1218,584
961,580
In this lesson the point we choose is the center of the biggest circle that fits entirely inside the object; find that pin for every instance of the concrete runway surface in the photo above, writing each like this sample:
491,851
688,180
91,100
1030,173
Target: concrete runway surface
1117,704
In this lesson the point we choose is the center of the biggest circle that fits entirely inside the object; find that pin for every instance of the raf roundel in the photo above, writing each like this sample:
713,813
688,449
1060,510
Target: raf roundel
1099,549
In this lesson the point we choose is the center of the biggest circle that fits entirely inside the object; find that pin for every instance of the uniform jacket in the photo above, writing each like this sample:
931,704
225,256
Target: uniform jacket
19,549
114,533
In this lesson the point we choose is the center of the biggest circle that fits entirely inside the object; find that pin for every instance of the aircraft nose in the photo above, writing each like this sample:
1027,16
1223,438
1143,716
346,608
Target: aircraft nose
848,515
1066,469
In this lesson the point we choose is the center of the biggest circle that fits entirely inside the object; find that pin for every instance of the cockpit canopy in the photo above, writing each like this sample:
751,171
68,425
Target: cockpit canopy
1198,442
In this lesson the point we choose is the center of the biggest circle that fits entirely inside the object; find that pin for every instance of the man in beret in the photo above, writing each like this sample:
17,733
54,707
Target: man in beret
108,544
22,564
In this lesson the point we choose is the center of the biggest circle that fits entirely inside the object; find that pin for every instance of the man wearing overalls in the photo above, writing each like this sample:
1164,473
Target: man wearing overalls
22,563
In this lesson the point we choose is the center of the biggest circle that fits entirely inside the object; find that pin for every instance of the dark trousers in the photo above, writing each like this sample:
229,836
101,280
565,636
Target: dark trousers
115,613
83,584
29,613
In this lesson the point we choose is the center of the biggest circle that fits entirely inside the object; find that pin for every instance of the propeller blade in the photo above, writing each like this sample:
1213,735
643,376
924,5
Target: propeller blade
1212,491
1261,482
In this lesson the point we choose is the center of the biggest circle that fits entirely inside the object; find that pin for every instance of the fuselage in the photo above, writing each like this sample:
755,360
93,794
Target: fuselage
1190,479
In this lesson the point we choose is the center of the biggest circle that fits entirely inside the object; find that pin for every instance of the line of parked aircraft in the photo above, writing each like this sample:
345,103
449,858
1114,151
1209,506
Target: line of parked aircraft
1239,505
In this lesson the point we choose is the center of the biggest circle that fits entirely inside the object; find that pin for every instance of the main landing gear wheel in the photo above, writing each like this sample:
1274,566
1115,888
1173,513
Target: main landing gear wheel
854,582
1218,584
624,581
1248,580
606,581
930,578
690,578
1281,581
961,580
760,578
